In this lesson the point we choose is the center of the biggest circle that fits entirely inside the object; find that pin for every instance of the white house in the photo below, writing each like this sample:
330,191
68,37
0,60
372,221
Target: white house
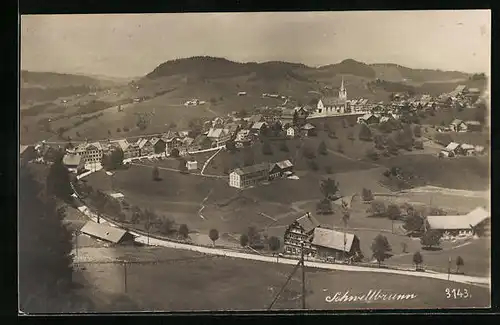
249,176
192,165
291,132
458,126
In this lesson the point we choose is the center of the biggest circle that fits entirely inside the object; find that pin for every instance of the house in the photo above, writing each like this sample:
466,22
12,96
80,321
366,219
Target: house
173,143
145,147
280,168
92,152
257,127
459,225
255,118
191,165
185,145
332,243
299,233
458,126
73,162
201,142
159,145
451,150
242,93
303,111
218,136
130,150
249,176
107,233
292,132
473,126
287,116
467,149
479,150
309,130
369,118
242,135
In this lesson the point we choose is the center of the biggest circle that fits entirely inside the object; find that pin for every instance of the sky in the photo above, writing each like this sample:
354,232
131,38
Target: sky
133,45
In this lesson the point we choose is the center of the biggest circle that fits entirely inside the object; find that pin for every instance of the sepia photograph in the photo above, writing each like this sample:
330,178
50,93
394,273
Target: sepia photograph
254,161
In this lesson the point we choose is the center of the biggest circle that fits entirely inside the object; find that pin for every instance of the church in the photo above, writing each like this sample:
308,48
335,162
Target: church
333,106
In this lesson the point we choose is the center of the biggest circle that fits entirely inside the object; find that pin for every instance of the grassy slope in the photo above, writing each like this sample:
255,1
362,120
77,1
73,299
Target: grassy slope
220,279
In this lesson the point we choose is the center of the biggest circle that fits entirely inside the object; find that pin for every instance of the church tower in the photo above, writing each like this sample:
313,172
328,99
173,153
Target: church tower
342,91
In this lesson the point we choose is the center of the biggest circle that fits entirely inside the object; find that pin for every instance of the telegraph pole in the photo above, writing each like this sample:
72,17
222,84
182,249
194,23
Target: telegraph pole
303,276
76,242
125,276
449,268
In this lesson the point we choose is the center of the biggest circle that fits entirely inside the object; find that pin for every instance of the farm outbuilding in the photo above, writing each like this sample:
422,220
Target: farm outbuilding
107,233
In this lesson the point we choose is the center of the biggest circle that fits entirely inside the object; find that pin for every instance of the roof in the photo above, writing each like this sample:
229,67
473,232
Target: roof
187,141
479,148
460,88
155,140
142,142
308,126
215,133
473,123
307,222
287,112
85,146
452,146
123,144
117,195
104,232
474,90
258,125
367,116
465,221
251,169
284,164
332,239
466,146
22,149
72,159
255,118
331,101
456,122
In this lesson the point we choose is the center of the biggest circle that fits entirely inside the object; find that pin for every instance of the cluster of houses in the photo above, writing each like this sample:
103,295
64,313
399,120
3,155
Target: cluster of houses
307,234
458,125
454,149
194,102
252,175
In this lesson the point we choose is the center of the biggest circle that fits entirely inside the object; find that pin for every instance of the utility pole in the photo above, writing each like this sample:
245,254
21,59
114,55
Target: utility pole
76,242
449,268
125,276
303,276
149,225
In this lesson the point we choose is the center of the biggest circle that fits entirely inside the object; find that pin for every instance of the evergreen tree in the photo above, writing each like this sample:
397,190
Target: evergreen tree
322,148
364,133
45,271
58,180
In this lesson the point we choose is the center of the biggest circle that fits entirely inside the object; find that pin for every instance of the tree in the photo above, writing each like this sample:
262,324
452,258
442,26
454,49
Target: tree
156,174
58,181
284,147
324,207
184,231
364,133
459,262
367,195
340,148
329,188
417,260
174,153
380,248
244,240
377,208
344,123
431,238
231,145
413,221
417,131
266,148
393,212
295,120
418,145
274,244
78,134
345,219
214,235
182,166
322,148
308,153
118,130
44,250
167,226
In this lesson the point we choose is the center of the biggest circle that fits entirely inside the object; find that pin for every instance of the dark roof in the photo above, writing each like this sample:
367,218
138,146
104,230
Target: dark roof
72,159
252,169
308,222
332,239
104,232
331,101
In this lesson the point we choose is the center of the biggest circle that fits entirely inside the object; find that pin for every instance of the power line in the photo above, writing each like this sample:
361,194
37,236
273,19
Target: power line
286,283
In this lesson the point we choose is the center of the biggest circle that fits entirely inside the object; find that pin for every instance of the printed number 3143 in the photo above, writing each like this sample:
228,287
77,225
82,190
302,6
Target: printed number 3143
457,293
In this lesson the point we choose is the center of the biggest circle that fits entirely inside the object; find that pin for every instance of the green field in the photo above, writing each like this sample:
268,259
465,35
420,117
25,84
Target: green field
216,283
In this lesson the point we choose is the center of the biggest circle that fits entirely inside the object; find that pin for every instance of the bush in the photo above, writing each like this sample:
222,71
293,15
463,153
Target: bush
118,130
313,165
377,208
309,153
367,195
125,129
393,212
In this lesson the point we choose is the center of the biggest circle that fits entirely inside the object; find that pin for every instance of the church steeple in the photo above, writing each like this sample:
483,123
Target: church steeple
342,91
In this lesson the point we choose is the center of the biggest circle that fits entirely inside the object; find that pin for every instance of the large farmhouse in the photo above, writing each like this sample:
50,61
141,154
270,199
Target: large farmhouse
475,222
298,233
249,176
332,243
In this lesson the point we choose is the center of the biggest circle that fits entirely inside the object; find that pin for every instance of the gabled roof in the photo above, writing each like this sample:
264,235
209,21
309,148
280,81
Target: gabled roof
94,144
123,144
473,123
308,222
456,122
155,140
332,101
255,118
284,164
466,146
142,142
251,169
72,159
308,126
452,146
332,239
258,125
368,116
466,221
110,234
215,133
474,90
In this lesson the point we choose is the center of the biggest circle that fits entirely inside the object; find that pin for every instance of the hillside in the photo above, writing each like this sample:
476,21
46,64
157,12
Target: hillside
397,73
